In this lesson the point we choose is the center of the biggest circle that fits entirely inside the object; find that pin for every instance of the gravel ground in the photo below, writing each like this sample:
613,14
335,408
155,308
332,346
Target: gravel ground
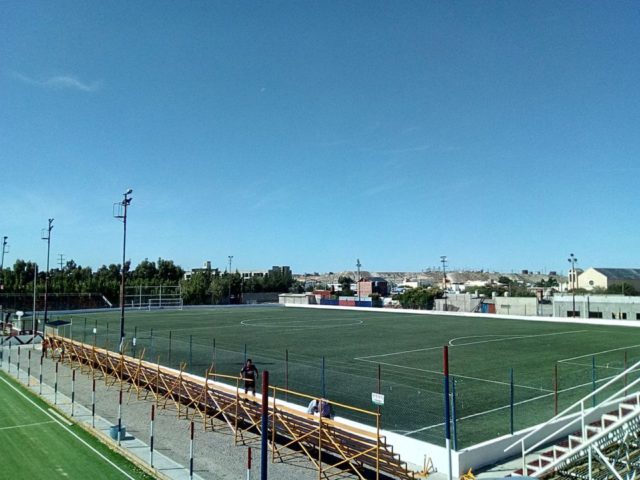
215,455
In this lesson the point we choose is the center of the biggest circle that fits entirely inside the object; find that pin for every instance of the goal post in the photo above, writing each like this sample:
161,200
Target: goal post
150,297
160,303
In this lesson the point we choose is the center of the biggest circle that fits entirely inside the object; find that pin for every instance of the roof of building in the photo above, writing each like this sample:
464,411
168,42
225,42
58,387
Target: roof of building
619,273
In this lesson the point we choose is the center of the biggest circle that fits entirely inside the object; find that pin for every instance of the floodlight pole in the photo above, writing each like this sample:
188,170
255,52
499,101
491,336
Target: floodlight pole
33,314
443,259
4,250
230,258
124,204
46,278
574,281
358,265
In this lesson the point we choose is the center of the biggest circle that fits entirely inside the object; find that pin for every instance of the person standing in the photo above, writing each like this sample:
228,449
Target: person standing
249,373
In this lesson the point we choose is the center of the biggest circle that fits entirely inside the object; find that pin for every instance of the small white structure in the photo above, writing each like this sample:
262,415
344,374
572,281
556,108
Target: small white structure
297,299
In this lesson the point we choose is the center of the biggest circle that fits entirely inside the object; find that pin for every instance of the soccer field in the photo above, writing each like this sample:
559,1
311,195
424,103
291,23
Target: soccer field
294,344
39,444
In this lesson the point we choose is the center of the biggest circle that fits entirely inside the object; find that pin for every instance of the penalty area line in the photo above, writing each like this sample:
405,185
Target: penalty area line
466,377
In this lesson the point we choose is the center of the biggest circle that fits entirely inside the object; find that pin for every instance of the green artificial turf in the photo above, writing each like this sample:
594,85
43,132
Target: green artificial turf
408,348
35,444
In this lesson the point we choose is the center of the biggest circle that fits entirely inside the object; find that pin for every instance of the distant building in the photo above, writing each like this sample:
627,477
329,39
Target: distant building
616,307
604,278
371,285
206,267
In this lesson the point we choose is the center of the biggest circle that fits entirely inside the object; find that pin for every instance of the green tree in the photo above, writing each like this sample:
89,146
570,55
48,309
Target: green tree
421,298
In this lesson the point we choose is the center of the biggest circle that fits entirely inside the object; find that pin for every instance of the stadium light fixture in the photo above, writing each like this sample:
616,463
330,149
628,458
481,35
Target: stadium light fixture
120,212
574,281
46,235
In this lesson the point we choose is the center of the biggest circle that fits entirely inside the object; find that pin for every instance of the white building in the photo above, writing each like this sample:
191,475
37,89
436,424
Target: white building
604,278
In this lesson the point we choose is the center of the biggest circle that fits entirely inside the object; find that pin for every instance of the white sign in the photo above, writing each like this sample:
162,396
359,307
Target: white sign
94,330
377,398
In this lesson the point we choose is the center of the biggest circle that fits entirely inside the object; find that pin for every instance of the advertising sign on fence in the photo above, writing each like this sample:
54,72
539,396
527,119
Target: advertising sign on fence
377,398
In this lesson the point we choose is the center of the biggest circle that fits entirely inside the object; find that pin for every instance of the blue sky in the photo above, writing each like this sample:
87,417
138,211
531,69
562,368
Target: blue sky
504,135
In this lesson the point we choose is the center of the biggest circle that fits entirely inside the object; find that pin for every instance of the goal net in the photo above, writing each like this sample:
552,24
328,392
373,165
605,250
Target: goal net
159,303
151,297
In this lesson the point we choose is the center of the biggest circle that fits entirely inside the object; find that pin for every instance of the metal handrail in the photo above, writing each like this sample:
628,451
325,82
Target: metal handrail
576,404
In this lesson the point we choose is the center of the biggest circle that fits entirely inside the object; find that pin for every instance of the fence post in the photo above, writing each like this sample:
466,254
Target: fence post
213,355
447,413
40,375
593,378
134,340
73,390
153,417
286,373
18,365
511,399
265,425
454,418
191,451
169,362
119,435
29,368
55,385
555,389
249,463
323,386
93,403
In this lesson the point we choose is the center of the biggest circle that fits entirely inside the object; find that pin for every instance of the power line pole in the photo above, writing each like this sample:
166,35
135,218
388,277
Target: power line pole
61,260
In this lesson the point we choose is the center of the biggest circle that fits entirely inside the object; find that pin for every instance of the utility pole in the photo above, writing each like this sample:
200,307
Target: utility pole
61,260
46,235
443,260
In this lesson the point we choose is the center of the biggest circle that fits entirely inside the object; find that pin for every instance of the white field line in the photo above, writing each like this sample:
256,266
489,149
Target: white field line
497,382
506,406
597,353
505,338
607,366
26,425
68,429
300,325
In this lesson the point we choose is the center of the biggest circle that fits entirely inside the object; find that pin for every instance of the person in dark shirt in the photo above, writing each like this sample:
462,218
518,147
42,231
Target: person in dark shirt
249,373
